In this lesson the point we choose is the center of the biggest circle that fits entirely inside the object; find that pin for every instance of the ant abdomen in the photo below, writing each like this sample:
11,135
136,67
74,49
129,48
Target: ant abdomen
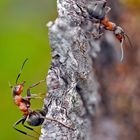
36,118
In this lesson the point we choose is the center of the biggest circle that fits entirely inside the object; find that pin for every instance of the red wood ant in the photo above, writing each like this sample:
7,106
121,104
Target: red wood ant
99,12
32,117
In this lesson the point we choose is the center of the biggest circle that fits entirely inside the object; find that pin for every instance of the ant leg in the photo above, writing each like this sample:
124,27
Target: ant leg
28,90
36,96
37,84
69,127
22,120
29,127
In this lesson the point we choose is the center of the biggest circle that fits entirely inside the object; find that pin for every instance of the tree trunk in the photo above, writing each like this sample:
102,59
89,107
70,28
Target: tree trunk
72,87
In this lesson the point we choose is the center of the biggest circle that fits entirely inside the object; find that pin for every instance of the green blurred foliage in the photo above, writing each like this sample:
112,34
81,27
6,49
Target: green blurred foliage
23,34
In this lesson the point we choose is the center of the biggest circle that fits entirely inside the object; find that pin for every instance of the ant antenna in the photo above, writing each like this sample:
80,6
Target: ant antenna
122,51
10,84
21,69
130,43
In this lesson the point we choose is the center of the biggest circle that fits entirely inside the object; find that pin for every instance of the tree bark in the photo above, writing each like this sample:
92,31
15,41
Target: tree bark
72,87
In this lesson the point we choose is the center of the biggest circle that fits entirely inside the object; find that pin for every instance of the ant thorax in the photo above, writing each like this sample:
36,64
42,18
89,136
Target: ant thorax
17,99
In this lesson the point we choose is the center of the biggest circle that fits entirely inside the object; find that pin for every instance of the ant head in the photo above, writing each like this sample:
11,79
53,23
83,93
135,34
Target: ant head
17,90
121,35
118,31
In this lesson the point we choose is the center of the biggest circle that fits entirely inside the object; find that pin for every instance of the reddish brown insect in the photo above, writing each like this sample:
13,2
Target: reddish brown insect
99,12
32,117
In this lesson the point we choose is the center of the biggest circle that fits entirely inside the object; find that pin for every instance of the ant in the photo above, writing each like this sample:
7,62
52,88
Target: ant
99,12
32,117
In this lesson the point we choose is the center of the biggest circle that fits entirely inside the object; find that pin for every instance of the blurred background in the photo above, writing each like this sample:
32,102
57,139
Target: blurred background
23,34
118,115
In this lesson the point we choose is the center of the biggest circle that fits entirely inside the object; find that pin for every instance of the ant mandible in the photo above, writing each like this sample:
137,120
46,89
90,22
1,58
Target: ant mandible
32,117
99,12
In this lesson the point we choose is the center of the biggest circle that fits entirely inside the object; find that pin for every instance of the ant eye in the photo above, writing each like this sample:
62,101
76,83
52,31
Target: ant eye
17,88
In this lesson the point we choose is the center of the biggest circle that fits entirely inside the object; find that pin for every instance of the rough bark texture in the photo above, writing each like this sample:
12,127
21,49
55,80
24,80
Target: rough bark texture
72,87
